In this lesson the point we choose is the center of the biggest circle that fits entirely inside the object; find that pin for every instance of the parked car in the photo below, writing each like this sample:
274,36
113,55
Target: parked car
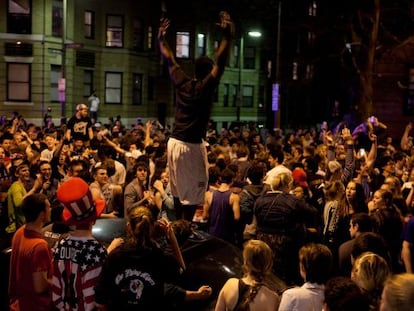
209,260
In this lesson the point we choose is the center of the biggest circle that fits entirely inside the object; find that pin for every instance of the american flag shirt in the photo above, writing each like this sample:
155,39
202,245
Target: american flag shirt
77,265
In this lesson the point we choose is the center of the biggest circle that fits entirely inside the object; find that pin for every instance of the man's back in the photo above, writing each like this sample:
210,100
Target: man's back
194,99
30,254
77,265
221,215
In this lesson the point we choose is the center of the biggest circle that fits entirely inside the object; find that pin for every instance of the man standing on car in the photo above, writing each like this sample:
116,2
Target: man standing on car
187,154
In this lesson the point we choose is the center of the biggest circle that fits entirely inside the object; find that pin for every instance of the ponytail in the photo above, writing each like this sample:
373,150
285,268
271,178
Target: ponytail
141,222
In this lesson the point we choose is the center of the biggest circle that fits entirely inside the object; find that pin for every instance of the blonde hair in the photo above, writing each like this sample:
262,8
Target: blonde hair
369,272
258,259
333,189
258,263
141,224
282,182
399,292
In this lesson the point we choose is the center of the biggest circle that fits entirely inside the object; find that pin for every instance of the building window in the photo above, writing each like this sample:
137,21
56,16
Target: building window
55,75
18,82
182,49
309,71
226,95
313,6
295,69
18,49
57,18
137,34
114,31
87,83
249,58
201,44
89,20
113,88
137,89
150,42
19,16
247,96
235,91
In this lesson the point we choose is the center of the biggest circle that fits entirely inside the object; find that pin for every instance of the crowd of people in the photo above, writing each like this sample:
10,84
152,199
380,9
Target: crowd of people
328,211
325,210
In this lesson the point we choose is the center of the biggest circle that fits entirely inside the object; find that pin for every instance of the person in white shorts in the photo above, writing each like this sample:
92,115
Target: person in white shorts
187,155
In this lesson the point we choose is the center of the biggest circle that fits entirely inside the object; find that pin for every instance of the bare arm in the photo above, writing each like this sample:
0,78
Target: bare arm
235,203
166,226
409,198
113,145
372,155
222,53
41,283
202,293
165,49
405,139
349,160
206,207
68,134
90,133
406,256
148,128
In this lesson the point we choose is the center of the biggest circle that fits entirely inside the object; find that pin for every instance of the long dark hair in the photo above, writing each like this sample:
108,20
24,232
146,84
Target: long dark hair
359,202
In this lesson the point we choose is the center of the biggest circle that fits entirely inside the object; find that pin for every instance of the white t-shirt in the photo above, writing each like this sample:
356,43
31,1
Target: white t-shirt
94,103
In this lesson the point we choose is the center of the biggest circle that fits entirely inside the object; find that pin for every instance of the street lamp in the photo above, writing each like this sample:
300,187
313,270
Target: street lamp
253,34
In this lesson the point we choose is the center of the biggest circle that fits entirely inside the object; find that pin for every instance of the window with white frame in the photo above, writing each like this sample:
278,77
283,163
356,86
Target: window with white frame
249,57
113,88
18,82
182,49
55,75
114,31
89,24
247,96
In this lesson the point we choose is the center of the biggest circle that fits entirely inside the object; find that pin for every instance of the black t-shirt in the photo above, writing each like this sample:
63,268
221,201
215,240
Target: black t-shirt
134,279
79,128
194,100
